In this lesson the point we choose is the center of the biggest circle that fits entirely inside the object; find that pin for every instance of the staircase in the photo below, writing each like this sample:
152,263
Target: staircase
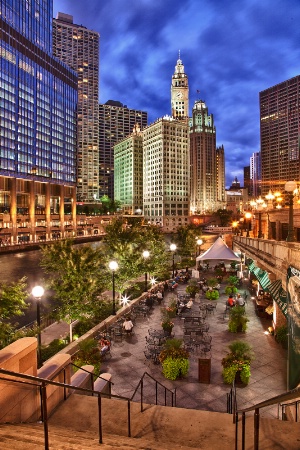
75,426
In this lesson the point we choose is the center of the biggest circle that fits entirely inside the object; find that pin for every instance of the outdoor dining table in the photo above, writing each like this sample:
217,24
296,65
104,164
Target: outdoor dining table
158,335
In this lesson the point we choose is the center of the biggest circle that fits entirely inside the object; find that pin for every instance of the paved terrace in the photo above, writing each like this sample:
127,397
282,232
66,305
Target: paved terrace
268,371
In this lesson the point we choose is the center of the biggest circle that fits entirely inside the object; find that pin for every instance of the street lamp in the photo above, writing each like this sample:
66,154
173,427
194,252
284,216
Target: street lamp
113,265
291,187
248,216
146,255
173,249
199,243
234,226
259,205
38,292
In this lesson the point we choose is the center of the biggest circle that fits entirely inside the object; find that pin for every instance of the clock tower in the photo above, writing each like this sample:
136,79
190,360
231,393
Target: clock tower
179,92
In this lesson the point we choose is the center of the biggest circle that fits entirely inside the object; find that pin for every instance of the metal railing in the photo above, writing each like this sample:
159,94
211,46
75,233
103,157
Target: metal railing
290,395
157,383
42,383
232,401
283,406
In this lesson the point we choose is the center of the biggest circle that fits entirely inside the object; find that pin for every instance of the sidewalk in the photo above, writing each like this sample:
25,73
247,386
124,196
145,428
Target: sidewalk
58,330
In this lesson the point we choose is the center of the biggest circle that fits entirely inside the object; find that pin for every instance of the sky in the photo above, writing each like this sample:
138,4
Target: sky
231,50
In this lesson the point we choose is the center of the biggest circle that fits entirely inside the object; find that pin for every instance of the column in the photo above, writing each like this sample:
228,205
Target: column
47,211
13,209
32,211
62,210
74,217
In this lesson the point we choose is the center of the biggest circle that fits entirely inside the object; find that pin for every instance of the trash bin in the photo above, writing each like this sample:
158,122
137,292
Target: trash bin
204,370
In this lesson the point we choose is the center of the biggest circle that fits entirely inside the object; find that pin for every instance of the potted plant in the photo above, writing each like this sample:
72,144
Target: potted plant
171,310
281,336
212,294
236,364
192,288
174,359
232,283
237,319
167,326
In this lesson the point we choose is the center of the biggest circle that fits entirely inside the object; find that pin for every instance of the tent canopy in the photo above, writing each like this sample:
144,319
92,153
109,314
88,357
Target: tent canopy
218,251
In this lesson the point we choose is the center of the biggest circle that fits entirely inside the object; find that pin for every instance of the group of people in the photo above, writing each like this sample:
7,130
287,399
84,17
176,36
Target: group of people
238,300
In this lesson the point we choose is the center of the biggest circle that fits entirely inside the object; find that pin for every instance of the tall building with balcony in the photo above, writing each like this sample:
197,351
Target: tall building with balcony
128,168
166,173
116,122
204,189
78,47
38,97
279,134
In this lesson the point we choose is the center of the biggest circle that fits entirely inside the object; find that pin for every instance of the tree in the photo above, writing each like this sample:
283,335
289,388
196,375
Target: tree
224,216
76,276
125,242
12,303
186,239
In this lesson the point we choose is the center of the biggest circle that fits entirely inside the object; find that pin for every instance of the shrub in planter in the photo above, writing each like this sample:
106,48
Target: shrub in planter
281,336
237,320
88,353
232,283
192,288
174,359
212,294
237,362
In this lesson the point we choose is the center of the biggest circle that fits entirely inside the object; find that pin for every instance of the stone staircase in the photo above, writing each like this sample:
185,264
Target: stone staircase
74,425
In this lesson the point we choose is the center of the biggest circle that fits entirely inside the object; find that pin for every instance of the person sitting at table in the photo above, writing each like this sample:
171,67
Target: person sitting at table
231,301
159,297
239,301
189,304
149,300
104,345
128,325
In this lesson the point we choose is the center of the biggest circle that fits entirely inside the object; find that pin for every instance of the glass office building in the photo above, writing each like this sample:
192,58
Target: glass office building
38,98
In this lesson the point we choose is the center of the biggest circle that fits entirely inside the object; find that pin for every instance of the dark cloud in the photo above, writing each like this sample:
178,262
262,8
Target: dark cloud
231,50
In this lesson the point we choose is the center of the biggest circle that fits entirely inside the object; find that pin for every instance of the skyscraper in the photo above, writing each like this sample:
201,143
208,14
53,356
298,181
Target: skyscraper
78,47
255,174
220,166
38,96
179,92
166,173
204,190
128,170
279,134
116,121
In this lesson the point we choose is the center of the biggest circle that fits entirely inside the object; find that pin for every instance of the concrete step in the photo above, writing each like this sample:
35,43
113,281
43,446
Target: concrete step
75,426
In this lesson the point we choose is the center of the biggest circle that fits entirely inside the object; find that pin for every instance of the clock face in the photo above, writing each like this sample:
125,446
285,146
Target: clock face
179,95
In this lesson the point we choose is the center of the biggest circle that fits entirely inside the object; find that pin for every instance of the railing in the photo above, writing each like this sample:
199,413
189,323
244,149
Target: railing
284,406
42,383
157,383
290,395
232,401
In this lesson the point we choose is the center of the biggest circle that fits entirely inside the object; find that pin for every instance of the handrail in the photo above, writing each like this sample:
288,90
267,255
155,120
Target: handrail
42,384
284,405
290,395
232,401
92,373
140,383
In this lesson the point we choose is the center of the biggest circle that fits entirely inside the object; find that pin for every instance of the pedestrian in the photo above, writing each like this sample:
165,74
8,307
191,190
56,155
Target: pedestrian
128,325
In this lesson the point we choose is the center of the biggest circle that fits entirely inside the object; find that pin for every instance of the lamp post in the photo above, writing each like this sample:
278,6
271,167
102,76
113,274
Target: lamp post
199,243
248,216
291,187
146,255
173,249
113,265
38,292
234,226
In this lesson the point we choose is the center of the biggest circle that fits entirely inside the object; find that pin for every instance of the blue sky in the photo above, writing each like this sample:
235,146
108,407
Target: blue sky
231,50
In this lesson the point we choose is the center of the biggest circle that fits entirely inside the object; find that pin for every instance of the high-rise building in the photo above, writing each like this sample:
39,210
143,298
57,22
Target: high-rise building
116,121
204,191
166,173
220,167
247,180
279,134
179,92
128,168
38,97
255,174
78,47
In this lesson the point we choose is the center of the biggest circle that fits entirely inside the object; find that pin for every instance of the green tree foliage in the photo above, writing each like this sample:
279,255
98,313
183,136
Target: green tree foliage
186,238
75,274
224,217
12,303
125,242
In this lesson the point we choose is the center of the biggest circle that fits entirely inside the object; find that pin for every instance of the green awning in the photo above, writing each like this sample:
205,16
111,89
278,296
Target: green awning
262,277
279,295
